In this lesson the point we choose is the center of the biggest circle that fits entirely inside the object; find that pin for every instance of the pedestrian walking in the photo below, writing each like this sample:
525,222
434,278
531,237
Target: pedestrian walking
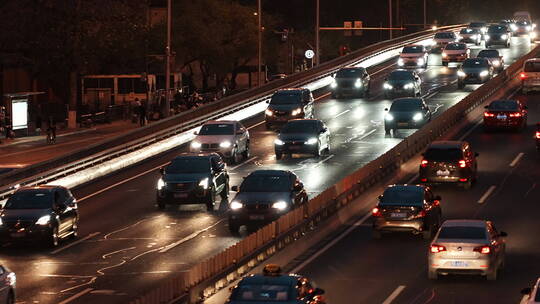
38,124
51,130
9,128
142,115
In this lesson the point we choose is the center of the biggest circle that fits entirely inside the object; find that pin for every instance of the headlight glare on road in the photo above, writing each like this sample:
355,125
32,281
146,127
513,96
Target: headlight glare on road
281,205
268,112
408,86
204,183
225,144
460,73
504,36
333,84
418,117
400,61
389,117
358,83
311,141
44,220
496,62
484,73
387,86
279,142
296,111
196,144
235,205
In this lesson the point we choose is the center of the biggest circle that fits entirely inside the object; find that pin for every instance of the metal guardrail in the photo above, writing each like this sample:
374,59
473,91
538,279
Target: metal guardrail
62,166
218,271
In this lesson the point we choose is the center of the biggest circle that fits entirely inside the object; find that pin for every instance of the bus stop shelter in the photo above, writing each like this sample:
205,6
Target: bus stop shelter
20,107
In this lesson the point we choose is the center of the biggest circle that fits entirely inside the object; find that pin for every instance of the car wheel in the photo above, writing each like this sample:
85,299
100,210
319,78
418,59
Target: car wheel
53,238
161,204
225,192
210,200
432,274
376,234
234,227
75,230
246,153
394,131
387,131
10,298
279,156
492,275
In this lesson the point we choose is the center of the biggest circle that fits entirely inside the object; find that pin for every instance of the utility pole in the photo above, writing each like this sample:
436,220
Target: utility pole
167,106
259,52
425,14
390,16
317,46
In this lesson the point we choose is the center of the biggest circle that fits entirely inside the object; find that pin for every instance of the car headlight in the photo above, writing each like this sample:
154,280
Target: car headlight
504,36
484,30
420,61
11,278
312,141
418,116
44,220
532,34
333,84
196,144
400,61
486,37
496,62
281,205
484,73
1,222
387,86
528,28
235,205
461,73
268,112
459,37
474,37
444,55
389,117
513,27
296,111
204,183
433,42
225,144
160,184
358,83
279,142
408,86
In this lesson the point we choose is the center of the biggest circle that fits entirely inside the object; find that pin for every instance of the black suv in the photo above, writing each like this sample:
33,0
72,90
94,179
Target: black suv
498,35
449,162
410,208
354,81
406,113
402,83
46,213
193,178
310,136
265,195
287,104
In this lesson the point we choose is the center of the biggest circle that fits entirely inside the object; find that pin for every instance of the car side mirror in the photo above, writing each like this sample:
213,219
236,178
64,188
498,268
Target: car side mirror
503,234
380,197
235,188
438,197
162,171
318,291
526,291
476,154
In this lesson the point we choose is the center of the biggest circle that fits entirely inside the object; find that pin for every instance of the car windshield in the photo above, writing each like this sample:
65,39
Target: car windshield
217,129
266,183
443,154
503,105
300,126
30,199
477,24
188,165
401,75
349,73
468,31
488,53
289,97
444,36
262,292
475,63
532,66
412,49
497,29
400,196
463,232
456,46
405,105
522,23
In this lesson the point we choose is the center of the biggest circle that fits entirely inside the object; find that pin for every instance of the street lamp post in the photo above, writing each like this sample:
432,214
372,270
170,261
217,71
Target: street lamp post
425,14
167,106
259,51
317,46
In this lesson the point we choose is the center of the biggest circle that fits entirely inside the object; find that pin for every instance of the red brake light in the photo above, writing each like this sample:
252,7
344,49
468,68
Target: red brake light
522,75
538,134
487,114
376,212
422,213
437,248
517,114
483,249
462,164
424,163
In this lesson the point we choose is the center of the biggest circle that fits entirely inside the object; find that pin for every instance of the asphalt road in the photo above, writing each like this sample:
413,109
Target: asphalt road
394,268
127,246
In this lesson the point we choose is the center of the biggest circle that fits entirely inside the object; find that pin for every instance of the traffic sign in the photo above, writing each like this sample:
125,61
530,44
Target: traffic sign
309,54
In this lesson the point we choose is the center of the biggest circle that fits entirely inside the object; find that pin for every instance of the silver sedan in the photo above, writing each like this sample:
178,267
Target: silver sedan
467,247
228,138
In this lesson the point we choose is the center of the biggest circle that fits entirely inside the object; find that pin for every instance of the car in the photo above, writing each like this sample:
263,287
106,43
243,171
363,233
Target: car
530,76
8,282
402,83
264,196
467,247
494,57
277,76
410,208
449,162
353,81
474,71
470,35
537,136
441,39
272,286
406,113
498,35
455,52
299,136
511,24
39,213
505,114
228,138
524,28
193,178
531,295
287,104
480,26
415,55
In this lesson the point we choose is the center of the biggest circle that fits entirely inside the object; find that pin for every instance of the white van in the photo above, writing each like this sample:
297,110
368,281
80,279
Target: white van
523,16
530,77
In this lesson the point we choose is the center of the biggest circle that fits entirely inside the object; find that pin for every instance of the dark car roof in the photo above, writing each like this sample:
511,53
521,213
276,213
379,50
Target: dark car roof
196,154
288,90
408,100
45,188
402,71
446,144
258,279
271,172
488,52
352,68
411,188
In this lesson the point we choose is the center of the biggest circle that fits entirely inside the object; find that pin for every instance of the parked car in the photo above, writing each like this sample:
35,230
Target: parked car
353,81
264,196
39,213
474,71
511,114
530,77
287,104
303,136
494,57
228,138
193,178
404,83
406,113
8,282
415,55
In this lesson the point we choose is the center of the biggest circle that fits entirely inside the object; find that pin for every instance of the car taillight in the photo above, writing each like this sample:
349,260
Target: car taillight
437,248
422,213
487,114
376,212
424,163
483,249
522,75
517,114
537,134
462,164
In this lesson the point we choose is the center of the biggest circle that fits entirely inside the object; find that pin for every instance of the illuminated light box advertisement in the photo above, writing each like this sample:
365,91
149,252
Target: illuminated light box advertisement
19,108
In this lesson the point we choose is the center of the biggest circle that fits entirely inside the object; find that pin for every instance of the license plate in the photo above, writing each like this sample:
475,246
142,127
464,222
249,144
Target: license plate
501,117
402,124
256,217
459,264
294,147
398,214
443,172
180,195
18,234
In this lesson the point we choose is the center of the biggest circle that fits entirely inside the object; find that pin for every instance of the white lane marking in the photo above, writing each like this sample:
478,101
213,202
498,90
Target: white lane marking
413,178
187,238
322,161
487,194
377,72
323,96
243,163
515,161
331,244
394,294
91,235
470,130
341,113
76,296
256,125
